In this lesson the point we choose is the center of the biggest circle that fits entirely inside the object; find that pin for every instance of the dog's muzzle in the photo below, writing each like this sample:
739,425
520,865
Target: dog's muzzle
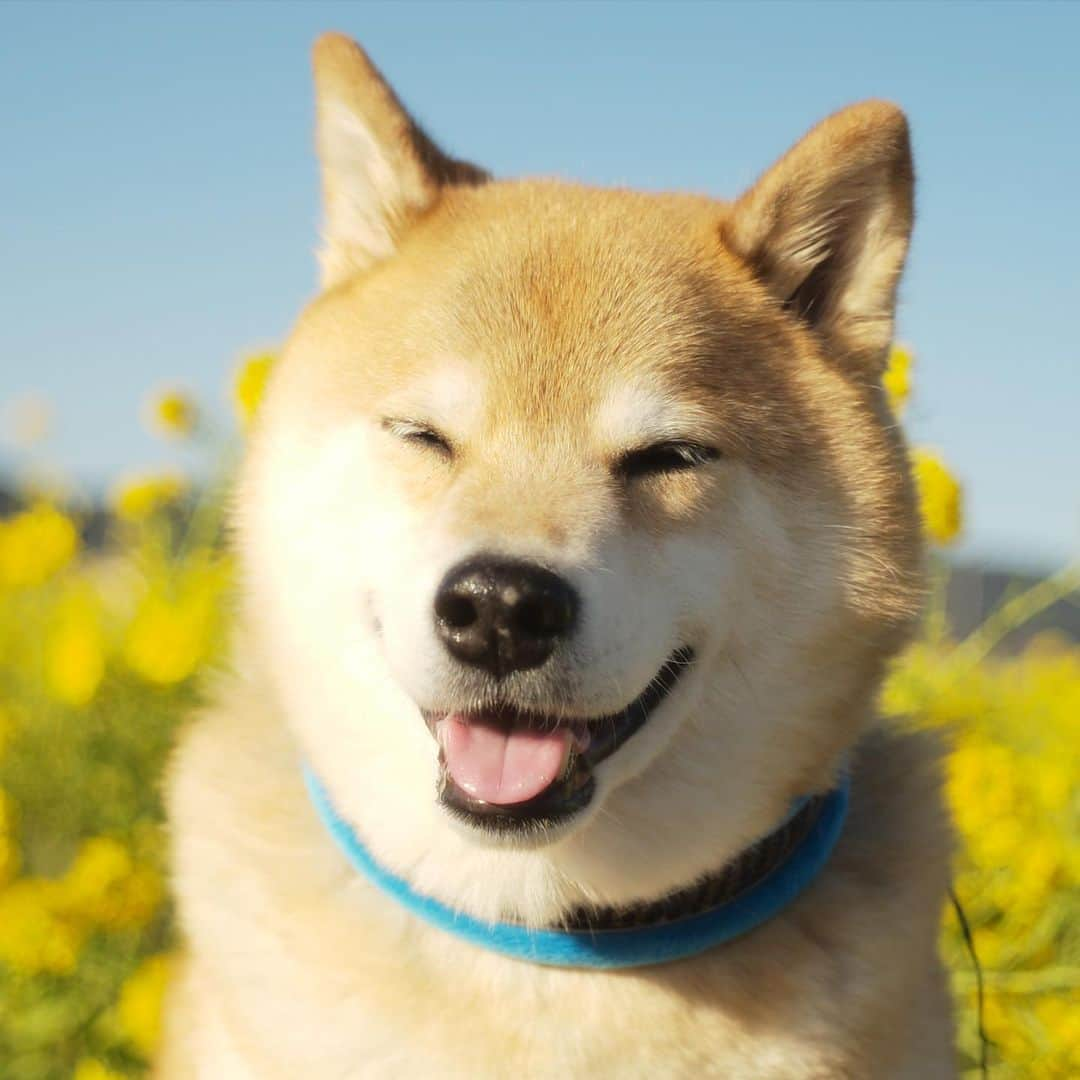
502,769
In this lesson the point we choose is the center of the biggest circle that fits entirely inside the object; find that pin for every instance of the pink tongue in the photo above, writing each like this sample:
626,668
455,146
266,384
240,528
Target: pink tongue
498,766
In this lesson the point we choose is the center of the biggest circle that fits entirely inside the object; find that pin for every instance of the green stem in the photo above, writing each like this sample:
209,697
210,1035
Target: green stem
1017,611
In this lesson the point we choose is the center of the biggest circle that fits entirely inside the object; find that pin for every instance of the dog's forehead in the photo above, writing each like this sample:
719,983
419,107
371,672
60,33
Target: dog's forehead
584,281
547,307
577,304
449,392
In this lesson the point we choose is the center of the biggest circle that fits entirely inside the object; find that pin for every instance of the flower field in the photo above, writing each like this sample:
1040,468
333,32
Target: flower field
100,656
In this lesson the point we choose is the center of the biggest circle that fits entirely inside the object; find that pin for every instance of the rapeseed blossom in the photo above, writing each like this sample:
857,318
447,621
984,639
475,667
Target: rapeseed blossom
35,937
177,622
172,413
940,497
105,887
250,384
75,649
897,377
35,545
93,1069
139,496
1013,786
139,1008
44,922
940,494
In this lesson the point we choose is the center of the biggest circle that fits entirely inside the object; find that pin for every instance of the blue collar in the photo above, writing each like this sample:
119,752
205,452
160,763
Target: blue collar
637,945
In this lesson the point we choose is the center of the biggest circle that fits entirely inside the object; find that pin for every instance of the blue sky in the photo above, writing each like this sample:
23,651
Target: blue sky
158,193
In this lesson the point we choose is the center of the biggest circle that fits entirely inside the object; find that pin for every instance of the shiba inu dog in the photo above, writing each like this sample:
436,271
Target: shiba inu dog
575,534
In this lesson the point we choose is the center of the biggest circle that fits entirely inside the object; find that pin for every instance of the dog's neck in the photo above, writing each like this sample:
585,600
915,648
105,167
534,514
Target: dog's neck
753,887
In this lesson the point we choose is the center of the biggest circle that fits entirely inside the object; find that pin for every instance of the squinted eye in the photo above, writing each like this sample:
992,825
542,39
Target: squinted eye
664,457
425,437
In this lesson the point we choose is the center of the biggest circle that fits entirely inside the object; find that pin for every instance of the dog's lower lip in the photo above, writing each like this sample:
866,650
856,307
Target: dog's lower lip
594,740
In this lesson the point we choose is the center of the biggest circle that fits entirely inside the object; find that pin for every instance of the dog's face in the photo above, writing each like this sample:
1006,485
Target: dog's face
575,528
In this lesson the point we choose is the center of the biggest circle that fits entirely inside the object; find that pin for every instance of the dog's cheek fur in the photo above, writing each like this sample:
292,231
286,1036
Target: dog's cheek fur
322,536
757,726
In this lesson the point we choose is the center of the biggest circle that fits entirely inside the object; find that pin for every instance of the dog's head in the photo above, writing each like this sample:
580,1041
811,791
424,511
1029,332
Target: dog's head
576,527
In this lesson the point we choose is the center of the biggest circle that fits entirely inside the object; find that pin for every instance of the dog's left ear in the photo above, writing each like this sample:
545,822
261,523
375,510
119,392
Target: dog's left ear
827,229
379,170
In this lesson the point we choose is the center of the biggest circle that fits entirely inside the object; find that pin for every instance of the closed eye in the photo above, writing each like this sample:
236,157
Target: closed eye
421,435
665,457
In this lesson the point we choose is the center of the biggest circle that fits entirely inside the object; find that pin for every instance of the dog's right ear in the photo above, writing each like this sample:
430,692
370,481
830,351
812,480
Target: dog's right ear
379,170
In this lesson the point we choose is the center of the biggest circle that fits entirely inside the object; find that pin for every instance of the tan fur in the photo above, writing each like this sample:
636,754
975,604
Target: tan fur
544,329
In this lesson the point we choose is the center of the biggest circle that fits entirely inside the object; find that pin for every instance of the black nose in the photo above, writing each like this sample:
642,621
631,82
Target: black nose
503,615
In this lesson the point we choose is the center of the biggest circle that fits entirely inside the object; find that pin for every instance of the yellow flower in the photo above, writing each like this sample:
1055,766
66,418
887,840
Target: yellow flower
34,937
175,625
35,545
940,497
897,377
172,413
9,844
92,1069
139,1007
1004,1030
249,385
1059,1015
44,922
982,785
167,639
105,887
75,650
137,497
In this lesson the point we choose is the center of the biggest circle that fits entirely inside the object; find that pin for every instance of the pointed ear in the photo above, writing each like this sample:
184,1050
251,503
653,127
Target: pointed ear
827,229
379,170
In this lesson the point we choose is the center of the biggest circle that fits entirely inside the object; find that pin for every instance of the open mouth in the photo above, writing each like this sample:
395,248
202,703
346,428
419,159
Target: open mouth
502,769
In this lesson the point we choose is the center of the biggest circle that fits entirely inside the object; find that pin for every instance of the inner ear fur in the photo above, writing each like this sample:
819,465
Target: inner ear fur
380,171
826,229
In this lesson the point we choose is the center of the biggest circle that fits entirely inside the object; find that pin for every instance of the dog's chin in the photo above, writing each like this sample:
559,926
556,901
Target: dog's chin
509,777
